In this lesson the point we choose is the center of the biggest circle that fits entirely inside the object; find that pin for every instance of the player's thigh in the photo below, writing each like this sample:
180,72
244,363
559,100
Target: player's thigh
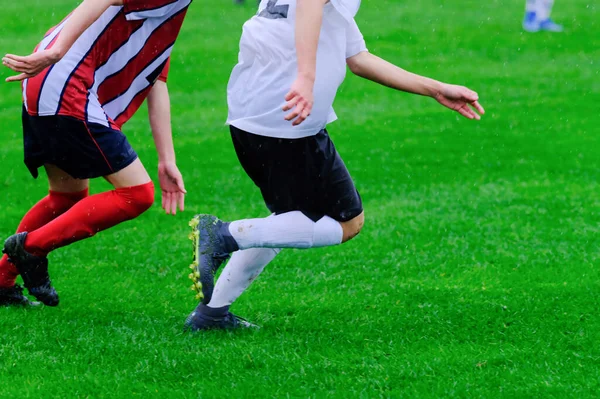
133,175
62,182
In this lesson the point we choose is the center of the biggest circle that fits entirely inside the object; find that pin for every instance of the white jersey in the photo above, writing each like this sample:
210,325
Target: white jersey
267,67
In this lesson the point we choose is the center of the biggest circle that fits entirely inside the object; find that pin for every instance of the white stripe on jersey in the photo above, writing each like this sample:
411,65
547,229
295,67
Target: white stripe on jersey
57,77
120,58
94,111
157,12
118,105
43,45
25,94
48,39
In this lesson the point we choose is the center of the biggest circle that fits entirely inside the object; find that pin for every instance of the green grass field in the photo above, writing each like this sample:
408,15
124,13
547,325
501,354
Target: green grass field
476,274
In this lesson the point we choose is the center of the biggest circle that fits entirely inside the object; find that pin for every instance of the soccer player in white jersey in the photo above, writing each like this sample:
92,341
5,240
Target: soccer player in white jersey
87,78
537,16
289,156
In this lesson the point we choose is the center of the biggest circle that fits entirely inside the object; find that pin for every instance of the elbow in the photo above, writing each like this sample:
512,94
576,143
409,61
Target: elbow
355,68
355,64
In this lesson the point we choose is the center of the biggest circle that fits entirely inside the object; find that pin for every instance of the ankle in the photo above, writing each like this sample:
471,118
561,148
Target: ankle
229,242
213,312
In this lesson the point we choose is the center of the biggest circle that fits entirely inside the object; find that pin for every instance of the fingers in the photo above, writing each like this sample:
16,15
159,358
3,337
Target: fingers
465,111
166,201
470,95
180,186
181,201
471,114
17,66
18,78
301,110
305,113
478,107
291,102
291,94
295,113
17,58
174,203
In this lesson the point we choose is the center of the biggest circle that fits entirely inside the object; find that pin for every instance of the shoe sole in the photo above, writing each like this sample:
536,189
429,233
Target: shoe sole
202,275
194,327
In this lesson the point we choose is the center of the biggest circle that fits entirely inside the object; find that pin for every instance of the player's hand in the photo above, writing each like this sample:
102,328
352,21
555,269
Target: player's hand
460,99
171,186
30,65
300,100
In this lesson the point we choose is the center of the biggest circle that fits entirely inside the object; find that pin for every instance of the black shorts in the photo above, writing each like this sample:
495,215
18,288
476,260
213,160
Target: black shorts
83,150
305,174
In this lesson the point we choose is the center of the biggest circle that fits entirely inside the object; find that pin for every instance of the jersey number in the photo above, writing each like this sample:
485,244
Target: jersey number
273,11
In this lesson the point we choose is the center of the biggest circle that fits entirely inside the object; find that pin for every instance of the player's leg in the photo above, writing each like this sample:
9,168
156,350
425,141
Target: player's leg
241,270
64,192
133,195
60,198
107,154
531,22
320,184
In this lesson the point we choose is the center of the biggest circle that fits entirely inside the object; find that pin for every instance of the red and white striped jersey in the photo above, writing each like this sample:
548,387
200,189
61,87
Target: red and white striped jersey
108,72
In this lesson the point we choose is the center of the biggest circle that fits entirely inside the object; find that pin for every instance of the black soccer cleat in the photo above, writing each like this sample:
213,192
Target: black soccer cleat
212,247
13,296
33,269
205,318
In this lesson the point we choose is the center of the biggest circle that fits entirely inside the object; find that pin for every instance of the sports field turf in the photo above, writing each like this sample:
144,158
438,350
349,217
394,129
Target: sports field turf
476,274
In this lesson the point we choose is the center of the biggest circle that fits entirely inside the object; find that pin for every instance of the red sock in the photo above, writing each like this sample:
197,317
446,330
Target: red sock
89,216
50,207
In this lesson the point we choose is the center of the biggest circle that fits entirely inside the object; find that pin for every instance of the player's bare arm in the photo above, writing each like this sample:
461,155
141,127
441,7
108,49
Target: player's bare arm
171,181
458,98
81,19
309,17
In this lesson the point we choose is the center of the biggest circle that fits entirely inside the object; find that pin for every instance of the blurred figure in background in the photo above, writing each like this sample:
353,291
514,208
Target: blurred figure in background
537,17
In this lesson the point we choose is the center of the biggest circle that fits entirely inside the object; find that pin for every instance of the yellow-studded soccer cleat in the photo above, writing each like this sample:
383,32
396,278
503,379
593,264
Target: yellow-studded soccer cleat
211,250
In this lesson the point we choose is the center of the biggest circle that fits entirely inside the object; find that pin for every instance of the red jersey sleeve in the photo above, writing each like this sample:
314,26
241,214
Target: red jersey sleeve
165,72
142,9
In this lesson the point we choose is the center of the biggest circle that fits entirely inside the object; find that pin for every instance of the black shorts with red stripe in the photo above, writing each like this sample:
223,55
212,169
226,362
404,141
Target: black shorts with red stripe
83,150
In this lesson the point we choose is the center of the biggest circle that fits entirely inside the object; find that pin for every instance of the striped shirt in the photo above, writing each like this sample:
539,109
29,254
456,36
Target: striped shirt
108,72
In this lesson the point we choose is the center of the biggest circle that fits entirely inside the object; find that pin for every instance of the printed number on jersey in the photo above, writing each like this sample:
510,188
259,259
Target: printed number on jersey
273,11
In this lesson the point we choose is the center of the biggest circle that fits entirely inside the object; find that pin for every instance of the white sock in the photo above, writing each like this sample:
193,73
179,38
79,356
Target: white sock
241,270
288,230
544,9
532,5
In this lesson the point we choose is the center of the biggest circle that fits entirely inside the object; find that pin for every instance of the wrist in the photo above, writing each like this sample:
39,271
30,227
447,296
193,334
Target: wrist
434,88
166,159
56,53
307,76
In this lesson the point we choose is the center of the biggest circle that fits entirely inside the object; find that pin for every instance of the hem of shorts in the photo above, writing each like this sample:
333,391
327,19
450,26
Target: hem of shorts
123,165
34,165
274,133
316,216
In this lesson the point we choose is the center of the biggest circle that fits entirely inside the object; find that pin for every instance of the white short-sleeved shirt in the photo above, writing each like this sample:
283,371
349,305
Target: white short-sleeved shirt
267,67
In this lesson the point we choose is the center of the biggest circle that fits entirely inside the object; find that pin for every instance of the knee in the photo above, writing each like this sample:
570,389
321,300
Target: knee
145,196
138,198
353,227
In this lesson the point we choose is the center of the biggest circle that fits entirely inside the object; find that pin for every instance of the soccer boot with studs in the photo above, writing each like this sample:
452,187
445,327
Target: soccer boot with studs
33,269
212,246
13,296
